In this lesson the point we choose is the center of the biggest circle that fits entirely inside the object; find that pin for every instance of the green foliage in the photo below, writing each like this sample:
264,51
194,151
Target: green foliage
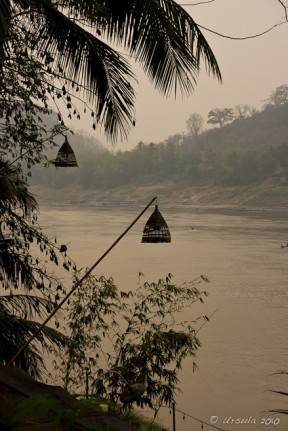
39,406
279,96
239,166
220,116
281,154
139,423
46,407
242,111
195,124
146,339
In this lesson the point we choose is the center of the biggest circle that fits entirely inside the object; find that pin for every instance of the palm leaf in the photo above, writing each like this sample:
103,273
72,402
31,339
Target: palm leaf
15,331
21,196
27,306
159,34
103,75
164,39
24,328
15,269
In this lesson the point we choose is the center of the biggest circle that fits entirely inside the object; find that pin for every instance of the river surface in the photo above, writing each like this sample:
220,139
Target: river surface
246,341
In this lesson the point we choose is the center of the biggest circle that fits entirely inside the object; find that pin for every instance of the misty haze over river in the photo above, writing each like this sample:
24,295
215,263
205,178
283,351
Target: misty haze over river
246,340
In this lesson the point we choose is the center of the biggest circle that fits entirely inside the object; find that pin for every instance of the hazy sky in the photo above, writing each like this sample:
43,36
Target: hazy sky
251,69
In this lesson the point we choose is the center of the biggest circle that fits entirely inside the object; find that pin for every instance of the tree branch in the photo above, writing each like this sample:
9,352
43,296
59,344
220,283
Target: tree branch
285,9
196,4
244,37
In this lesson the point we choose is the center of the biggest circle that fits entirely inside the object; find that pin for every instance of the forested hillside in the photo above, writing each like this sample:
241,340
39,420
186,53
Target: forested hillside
246,152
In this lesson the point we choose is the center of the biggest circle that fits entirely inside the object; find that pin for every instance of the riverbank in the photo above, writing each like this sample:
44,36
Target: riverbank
263,197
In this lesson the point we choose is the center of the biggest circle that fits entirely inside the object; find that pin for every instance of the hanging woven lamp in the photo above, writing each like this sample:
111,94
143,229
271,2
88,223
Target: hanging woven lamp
65,157
156,228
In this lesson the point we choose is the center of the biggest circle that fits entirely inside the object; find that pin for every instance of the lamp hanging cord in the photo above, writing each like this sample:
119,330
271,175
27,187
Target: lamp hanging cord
12,360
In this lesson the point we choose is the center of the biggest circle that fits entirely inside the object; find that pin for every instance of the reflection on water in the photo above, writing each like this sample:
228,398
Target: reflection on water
246,340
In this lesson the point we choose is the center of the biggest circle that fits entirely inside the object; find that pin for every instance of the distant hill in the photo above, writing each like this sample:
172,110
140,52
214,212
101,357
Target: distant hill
265,129
245,162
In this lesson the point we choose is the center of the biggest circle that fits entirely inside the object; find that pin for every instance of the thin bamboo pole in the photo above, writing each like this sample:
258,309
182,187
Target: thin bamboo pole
174,415
12,360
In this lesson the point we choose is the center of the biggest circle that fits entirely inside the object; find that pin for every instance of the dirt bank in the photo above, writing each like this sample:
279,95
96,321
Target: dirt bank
264,196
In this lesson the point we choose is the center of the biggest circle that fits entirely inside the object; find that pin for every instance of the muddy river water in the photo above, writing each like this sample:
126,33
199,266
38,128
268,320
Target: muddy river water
246,341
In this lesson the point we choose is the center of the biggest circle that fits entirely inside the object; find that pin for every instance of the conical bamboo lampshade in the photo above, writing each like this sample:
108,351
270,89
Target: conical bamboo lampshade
156,228
65,157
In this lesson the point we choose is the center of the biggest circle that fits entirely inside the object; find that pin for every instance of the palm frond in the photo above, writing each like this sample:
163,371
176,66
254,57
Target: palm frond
103,75
15,269
15,331
26,306
163,38
24,328
24,196
21,196
91,12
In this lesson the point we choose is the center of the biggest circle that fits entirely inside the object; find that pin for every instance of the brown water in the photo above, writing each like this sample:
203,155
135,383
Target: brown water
246,340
